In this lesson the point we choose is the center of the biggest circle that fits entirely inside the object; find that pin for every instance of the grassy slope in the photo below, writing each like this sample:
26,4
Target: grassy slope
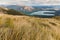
29,28
9,11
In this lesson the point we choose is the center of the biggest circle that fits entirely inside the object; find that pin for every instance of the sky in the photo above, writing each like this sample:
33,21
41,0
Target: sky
30,2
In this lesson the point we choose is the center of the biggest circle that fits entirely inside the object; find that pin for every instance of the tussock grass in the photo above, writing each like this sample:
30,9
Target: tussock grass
28,28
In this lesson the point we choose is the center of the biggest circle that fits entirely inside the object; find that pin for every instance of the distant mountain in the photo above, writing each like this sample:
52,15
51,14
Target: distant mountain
14,7
30,8
24,9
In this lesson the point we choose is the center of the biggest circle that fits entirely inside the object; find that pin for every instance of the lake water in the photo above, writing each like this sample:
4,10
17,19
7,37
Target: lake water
44,13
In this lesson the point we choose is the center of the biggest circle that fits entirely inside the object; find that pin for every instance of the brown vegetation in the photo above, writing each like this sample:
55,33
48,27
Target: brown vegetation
29,28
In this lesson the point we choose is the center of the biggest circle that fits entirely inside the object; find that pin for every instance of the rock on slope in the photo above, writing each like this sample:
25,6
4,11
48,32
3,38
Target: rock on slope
29,28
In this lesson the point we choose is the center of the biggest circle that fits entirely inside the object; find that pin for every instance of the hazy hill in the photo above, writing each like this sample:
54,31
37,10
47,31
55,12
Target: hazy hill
24,9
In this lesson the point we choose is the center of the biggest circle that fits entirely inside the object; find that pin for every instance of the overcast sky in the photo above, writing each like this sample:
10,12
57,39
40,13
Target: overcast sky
31,2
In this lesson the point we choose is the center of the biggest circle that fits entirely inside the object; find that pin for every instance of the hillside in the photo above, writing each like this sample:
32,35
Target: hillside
4,10
29,28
